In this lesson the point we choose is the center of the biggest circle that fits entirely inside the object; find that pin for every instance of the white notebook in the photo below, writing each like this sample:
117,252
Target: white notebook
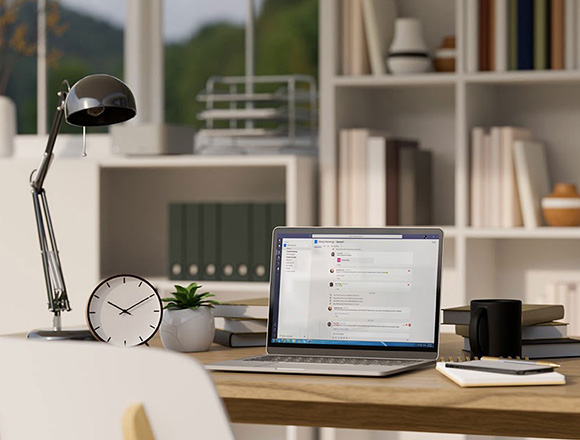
469,378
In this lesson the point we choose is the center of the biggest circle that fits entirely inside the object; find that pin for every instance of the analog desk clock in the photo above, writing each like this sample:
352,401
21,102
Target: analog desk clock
124,310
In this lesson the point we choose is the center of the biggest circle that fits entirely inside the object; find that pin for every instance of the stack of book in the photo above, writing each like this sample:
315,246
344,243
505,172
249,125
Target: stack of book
543,336
222,241
509,177
382,180
241,323
522,35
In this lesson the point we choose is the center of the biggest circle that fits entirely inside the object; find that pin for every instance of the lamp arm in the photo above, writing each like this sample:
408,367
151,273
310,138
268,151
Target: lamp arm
37,178
53,275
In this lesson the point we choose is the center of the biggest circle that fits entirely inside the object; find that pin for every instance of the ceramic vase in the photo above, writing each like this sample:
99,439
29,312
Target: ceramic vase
7,126
187,330
562,207
408,53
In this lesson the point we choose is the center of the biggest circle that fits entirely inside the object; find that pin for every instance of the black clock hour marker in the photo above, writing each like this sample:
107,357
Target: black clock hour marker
96,328
153,327
109,339
156,311
97,296
125,342
123,280
140,283
141,338
91,313
109,285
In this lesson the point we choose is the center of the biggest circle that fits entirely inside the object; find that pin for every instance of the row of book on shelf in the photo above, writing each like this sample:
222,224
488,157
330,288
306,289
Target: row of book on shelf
509,177
367,31
382,180
522,35
222,241
241,323
543,334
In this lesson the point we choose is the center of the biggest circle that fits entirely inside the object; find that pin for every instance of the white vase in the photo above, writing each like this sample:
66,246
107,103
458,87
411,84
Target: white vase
7,126
408,52
187,330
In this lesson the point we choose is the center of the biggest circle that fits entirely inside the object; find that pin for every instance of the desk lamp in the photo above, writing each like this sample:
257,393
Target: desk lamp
95,100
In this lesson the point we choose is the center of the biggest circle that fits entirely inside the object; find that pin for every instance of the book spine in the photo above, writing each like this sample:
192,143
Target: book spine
344,186
260,242
495,177
525,34
557,31
540,34
346,36
570,38
376,182
472,31
210,243
501,35
477,190
193,244
492,34
513,34
176,233
484,31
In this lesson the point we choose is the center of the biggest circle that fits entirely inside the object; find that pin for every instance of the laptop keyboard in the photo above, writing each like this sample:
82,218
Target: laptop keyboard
333,360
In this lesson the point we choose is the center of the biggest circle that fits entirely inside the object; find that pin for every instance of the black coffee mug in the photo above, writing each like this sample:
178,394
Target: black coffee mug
495,327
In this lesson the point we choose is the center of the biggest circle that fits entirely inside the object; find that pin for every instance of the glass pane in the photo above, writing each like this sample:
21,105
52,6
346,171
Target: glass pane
207,37
18,59
88,40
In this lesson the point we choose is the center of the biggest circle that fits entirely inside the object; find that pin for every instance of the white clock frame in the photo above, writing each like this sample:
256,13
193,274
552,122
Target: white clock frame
124,310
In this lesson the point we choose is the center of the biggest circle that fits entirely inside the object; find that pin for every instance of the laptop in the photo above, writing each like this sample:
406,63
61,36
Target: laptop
351,301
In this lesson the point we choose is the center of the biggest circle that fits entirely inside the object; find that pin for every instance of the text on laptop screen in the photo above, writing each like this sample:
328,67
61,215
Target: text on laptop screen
358,290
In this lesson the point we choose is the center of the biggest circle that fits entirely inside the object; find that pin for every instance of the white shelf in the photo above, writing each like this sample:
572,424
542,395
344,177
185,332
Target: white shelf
531,77
523,233
235,287
200,161
418,80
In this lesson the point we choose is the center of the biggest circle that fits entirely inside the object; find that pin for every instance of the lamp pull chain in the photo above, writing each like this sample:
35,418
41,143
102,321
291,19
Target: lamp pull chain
84,141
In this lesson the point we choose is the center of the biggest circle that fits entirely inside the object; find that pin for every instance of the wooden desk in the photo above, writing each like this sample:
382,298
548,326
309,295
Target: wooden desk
414,401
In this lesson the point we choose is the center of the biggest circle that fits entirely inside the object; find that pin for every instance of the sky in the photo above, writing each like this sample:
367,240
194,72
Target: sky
180,17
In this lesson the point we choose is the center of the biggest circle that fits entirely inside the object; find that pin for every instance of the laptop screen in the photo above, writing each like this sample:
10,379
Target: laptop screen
355,290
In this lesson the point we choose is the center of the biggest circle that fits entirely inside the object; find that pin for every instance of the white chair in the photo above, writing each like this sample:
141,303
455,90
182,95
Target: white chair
75,390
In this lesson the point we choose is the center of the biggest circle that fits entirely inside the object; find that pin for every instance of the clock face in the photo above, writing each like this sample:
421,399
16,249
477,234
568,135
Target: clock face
124,310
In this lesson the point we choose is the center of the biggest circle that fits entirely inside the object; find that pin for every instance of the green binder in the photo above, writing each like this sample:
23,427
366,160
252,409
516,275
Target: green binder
192,268
235,242
176,234
541,34
513,35
277,216
210,242
260,245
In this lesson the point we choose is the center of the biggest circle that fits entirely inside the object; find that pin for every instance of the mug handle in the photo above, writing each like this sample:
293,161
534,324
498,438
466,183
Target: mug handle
474,322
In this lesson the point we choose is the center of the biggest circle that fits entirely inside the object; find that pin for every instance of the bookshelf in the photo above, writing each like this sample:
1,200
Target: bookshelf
440,110
110,217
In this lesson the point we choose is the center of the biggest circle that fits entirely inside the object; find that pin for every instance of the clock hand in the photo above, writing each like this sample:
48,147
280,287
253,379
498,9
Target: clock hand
122,310
136,304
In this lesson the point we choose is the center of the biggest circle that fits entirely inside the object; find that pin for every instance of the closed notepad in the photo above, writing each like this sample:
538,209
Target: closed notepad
469,378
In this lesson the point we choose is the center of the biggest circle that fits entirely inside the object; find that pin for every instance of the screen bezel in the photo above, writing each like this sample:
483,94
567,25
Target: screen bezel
428,353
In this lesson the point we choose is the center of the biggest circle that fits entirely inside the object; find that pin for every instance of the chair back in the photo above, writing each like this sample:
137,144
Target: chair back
80,390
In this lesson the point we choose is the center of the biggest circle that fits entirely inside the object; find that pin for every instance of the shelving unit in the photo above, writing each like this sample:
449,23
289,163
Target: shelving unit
109,214
440,109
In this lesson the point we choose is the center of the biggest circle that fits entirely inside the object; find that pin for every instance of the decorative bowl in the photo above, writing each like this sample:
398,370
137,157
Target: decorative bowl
562,207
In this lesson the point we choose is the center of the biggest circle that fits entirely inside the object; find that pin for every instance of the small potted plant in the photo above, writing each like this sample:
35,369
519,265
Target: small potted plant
188,323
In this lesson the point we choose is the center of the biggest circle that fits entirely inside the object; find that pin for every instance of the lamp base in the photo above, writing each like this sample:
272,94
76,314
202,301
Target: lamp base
61,335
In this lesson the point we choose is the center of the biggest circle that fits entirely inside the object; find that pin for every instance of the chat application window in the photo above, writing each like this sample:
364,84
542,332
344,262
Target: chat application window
368,291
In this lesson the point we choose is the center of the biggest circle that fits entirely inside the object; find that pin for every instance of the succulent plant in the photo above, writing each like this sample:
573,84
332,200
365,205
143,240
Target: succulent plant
188,298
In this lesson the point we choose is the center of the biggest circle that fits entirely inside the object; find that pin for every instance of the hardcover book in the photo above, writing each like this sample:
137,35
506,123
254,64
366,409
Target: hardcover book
531,314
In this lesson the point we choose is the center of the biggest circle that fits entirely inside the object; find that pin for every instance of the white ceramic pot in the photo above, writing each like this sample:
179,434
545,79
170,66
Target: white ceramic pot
7,126
187,330
408,53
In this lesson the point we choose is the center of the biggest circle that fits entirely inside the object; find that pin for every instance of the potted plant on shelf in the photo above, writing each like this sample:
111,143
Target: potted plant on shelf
188,323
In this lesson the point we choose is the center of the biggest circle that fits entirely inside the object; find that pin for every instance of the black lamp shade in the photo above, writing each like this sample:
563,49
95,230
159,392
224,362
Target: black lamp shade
99,100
